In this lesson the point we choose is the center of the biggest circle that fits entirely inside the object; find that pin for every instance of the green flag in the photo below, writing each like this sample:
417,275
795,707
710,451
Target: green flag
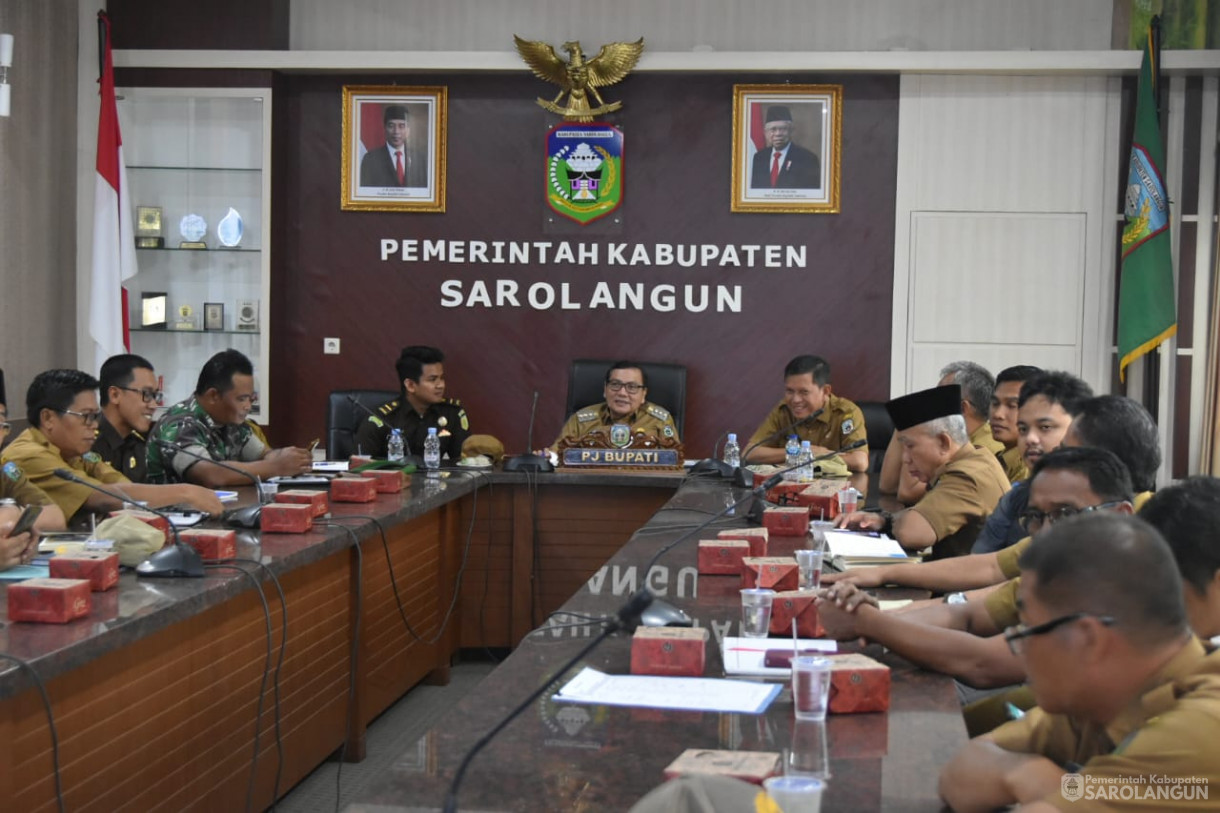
1146,312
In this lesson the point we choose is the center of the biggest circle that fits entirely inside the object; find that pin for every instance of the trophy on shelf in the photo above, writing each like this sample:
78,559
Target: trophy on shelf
148,227
187,320
229,229
193,228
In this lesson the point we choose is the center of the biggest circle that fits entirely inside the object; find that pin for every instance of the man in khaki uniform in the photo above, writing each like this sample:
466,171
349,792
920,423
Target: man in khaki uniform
1126,694
63,413
625,391
806,390
964,481
1005,401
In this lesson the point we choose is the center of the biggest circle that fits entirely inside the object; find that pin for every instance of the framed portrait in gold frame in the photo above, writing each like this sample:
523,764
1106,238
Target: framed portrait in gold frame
786,145
394,142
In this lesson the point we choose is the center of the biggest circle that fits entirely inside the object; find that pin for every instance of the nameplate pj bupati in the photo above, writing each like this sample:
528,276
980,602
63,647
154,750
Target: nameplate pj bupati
658,458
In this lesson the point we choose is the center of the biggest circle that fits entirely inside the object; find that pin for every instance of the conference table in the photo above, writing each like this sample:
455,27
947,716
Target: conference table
156,695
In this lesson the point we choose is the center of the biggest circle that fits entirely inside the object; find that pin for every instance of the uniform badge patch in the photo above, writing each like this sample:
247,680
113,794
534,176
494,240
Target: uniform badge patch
848,426
91,457
131,463
464,420
620,435
12,471
376,421
442,422
668,431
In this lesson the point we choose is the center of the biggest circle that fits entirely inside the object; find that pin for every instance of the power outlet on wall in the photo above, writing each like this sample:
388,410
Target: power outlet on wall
330,347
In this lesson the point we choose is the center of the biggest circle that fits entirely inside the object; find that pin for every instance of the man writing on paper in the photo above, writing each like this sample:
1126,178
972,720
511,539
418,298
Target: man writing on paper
964,482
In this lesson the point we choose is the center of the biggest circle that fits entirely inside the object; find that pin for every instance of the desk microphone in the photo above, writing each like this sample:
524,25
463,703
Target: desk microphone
245,517
172,562
712,466
627,619
529,461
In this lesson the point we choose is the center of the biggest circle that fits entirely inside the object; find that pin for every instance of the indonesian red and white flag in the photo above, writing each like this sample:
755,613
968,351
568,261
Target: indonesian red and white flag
114,254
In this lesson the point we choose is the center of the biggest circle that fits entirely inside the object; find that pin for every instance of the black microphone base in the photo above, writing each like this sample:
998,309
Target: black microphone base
755,515
528,462
175,562
709,467
247,516
663,614
743,478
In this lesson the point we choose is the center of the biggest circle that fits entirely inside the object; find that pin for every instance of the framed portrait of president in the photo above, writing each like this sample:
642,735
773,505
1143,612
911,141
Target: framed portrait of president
786,143
394,148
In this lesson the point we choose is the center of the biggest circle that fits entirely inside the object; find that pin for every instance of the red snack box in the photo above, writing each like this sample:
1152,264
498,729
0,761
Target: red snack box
757,537
100,569
320,500
748,766
673,651
353,489
49,601
722,557
821,499
160,523
787,520
785,493
287,518
858,683
776,572
212,543
358,460
389,481
796,604
763,473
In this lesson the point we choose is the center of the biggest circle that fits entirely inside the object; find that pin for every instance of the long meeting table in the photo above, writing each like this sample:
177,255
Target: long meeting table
155,693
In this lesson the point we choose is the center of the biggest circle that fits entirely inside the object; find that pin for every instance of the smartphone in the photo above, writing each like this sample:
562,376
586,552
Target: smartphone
27,519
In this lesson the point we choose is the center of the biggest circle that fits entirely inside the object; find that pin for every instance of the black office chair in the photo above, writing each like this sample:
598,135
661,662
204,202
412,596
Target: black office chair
879,428
343,416
666,386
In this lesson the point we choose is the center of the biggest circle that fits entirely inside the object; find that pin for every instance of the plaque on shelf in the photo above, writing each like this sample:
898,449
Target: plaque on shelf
148,227
152,311
229,229
193,228
247,315
187,319
213,316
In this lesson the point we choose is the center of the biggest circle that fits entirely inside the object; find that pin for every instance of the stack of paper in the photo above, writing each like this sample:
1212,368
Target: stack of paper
854,548
747,656
646,691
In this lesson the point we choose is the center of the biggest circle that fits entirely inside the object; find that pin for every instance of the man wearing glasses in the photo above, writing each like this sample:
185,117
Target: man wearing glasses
63,414
128,397
625,390
1127,697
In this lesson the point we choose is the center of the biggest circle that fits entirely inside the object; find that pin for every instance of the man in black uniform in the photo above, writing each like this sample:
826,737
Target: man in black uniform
421,405
128,388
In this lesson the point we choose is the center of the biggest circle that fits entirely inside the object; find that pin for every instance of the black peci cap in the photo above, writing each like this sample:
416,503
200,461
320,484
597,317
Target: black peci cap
925,405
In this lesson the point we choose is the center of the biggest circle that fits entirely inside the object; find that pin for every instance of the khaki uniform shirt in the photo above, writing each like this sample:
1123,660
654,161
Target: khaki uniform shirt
452,427
982,437
649,418
14,485
1013,464
960,498
1168,732
1001,604
128,455
841,423
40,458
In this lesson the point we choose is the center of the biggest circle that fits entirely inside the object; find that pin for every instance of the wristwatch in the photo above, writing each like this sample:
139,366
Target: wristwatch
955,598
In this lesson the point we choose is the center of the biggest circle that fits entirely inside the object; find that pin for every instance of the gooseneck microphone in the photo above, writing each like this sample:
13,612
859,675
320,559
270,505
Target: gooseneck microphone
176,561
627,619
245,517
529,461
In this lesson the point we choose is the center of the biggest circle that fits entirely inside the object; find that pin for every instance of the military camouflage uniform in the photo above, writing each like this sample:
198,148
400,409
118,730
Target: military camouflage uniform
189,426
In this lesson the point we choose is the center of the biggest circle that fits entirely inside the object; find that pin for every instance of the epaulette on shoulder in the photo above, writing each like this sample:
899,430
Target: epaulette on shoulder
453,402
660,413
386,409
586,415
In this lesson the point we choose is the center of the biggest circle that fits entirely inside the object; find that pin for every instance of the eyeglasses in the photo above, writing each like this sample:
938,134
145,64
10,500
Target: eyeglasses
148,396
89,418
1033,520
1014,636
630,386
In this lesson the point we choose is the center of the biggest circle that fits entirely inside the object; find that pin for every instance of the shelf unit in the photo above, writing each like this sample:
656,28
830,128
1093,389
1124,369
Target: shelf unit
201,151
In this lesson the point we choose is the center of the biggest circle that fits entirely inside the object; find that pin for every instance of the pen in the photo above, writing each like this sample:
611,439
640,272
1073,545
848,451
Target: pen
313,444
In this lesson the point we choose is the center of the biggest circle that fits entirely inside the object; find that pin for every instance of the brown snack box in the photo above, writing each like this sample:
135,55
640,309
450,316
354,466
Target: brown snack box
286,518
857,684
213,544
757,537
320,500
49,601
389,481
748,766
722,557
100,569
353,489
787,520
776,572
821,498
797,604
673,651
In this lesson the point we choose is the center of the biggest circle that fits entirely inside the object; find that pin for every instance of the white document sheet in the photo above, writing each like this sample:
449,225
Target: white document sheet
649,691
855,545
745,656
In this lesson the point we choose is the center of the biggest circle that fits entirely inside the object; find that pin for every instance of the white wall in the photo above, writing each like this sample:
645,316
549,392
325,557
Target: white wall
1005,226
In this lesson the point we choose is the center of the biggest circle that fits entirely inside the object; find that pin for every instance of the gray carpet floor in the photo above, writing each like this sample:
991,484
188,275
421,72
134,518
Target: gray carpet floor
394,731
